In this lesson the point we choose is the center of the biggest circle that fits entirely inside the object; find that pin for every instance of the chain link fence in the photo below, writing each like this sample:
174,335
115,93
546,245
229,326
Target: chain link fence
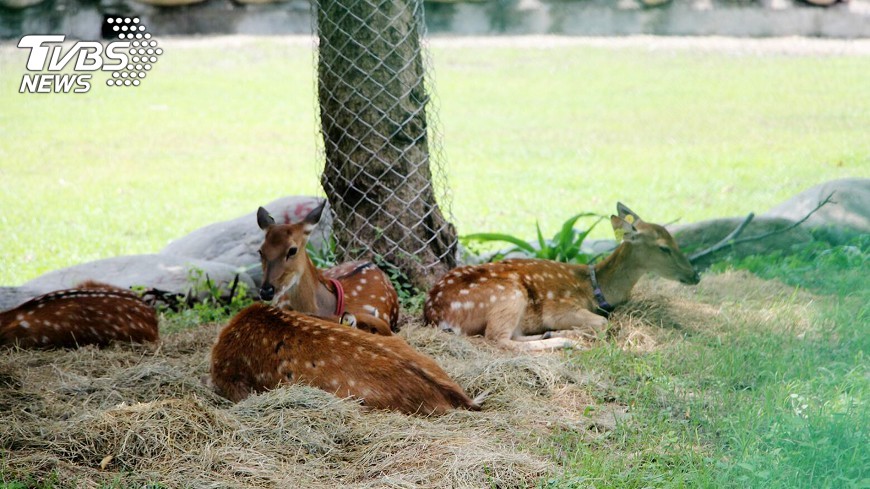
383,161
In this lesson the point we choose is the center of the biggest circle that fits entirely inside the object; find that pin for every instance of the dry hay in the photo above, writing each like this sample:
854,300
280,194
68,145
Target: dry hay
139,414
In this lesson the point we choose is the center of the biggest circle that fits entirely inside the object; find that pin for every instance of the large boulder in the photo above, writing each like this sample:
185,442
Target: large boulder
847,214
12,296
19,4
236,242
701,235
165,272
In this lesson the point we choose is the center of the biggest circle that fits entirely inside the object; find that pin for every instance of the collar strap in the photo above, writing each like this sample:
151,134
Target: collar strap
603,305
339,297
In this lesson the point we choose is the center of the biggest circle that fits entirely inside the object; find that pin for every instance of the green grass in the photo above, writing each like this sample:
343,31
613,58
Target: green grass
217,130
744,406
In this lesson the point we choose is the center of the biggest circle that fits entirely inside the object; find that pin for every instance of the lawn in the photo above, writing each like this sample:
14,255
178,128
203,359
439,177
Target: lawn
224,125
757,377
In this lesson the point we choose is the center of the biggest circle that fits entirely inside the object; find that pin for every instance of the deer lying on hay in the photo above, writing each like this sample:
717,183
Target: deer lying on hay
90,314
263,347
525,304
291,281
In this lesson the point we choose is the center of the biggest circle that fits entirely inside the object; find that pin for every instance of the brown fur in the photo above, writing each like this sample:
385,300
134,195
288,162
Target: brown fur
525,304
263,347
90,314
299,286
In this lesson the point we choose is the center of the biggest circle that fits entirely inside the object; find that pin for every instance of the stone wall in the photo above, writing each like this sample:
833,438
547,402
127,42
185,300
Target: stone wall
762,18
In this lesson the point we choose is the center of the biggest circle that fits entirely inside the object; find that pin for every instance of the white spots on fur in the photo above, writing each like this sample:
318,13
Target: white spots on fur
362,281
493,298
468,305
500,287
464,292
550,294
456,305
24,325
450,281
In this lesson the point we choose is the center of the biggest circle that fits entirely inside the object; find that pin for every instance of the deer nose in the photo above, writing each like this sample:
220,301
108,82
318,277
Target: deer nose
267,292
693,280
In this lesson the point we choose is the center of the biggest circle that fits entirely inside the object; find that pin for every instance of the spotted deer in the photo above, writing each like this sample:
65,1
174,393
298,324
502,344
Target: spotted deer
90,314
291,281
527,305
264,347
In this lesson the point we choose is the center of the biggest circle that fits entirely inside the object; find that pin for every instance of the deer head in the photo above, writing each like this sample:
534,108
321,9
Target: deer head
282,255
654,246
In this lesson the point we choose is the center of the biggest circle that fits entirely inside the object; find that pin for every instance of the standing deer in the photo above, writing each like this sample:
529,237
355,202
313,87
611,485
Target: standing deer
263,347
90,314
524,304
291,281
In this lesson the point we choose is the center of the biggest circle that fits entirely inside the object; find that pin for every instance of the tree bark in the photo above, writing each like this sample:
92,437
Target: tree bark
373,120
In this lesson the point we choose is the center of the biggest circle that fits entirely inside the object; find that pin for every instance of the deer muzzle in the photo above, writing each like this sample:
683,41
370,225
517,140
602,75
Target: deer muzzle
267,292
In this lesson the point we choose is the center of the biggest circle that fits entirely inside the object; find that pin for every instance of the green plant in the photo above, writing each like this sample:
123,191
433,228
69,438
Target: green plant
564,246
325,256
211,302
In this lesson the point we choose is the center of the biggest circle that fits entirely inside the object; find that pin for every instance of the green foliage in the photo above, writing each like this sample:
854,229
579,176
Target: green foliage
564,246
410,299
325,256
849,261
214,303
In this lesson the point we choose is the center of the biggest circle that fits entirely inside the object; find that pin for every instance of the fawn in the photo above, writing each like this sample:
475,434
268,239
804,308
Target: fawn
92,313
524,304
357,287
263,347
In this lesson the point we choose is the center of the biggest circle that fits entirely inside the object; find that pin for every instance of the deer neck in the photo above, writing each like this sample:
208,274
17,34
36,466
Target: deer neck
618,273
310,295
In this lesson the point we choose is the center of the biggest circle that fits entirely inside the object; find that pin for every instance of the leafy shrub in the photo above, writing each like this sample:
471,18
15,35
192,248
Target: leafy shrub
564,246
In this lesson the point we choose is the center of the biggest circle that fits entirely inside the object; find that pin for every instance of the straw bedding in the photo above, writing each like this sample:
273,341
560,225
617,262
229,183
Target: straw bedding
133,415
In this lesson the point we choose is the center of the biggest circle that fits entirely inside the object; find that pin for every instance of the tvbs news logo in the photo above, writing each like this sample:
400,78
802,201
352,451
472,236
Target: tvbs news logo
128,60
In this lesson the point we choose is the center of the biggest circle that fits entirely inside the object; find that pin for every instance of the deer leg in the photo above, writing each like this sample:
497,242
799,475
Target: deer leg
574,320
376,325
503,328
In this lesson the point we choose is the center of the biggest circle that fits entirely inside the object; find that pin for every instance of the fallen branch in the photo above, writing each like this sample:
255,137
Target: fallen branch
731,239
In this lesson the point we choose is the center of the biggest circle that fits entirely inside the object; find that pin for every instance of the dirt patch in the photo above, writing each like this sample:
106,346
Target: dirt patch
141,414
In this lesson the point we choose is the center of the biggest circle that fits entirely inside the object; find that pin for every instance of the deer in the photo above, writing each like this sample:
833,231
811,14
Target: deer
531,304
264,347
92,313
291,281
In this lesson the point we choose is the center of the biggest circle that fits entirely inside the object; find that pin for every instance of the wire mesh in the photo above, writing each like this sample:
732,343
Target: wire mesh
383,160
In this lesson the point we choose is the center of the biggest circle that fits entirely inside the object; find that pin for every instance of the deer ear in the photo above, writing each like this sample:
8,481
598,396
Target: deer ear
626,213
313,217
264,220
623,229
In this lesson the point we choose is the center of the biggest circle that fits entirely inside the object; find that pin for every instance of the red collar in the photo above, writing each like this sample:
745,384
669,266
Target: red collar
339,297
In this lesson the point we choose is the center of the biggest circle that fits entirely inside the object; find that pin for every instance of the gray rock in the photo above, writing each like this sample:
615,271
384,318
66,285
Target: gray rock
164,272
19,4
849,211
236,242
13,296
701,235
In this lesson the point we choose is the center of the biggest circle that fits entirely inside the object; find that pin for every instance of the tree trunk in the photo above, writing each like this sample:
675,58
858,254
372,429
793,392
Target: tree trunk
373,119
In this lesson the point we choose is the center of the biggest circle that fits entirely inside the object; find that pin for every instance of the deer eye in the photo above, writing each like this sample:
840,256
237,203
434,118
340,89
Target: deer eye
260,252
292,251
665,249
